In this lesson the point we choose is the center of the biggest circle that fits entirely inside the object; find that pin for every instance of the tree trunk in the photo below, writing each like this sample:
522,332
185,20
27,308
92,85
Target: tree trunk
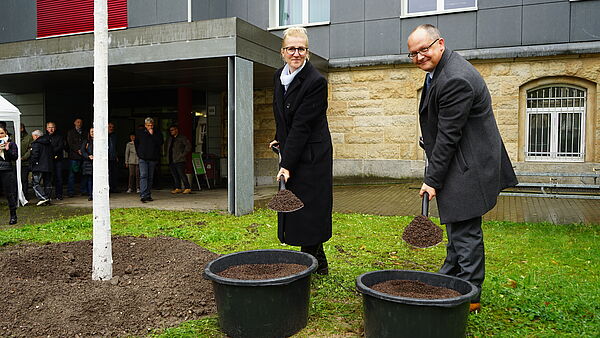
102,251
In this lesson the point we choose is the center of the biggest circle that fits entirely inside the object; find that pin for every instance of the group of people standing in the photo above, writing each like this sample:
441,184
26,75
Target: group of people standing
467,167
43,156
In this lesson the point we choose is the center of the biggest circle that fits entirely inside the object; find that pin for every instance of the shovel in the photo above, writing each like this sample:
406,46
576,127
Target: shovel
422,232
284,200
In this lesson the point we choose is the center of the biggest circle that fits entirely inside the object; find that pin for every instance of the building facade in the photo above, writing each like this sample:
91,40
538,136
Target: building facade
540,59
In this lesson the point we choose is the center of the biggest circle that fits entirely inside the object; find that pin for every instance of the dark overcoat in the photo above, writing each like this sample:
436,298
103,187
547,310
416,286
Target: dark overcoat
306,151
41,155
87,149
468,163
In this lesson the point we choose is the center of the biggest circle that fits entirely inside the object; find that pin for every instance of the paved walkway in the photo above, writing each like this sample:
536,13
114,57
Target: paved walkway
379,199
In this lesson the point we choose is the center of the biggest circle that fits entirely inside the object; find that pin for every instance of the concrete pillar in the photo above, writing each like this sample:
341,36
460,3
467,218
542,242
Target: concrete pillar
185,120
240,138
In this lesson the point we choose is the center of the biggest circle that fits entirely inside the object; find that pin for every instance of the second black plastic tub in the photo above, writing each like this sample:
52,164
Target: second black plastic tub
275,307
386,315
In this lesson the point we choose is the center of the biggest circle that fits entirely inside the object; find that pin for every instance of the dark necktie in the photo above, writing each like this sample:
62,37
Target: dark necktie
427,83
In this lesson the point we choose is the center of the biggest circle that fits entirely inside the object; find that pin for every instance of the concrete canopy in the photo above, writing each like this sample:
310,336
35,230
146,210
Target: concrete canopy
192,54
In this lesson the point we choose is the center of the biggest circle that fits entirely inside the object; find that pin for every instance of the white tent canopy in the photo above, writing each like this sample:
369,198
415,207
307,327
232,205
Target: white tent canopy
8,112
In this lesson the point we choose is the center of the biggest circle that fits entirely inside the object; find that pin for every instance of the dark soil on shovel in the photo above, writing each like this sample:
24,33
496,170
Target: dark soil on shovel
422,233
414,289
157,283
261,271
284,201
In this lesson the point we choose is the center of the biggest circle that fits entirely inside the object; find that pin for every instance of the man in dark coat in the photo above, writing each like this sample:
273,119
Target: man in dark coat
75,138
58,148
113,159
302,132
40,162
148,142
177,148
467,163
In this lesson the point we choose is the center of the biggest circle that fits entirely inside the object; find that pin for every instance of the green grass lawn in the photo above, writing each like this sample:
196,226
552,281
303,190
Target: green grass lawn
541,280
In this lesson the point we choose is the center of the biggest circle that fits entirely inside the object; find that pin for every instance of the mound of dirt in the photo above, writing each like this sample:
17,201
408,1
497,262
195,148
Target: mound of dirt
48,291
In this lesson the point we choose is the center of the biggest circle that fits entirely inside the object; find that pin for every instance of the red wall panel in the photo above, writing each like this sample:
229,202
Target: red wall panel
59,17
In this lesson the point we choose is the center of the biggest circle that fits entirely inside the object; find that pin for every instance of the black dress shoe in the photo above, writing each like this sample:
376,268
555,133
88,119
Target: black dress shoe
149,199
60,198
322,270
13,217
90,198
144,199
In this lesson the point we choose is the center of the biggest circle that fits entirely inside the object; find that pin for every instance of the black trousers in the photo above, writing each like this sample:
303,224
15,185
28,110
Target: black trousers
465,257
9,185
319,254
178,173
58,178
25,178
113,175
42,192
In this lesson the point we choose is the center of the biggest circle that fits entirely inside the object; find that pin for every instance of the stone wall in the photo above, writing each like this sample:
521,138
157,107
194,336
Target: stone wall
374,121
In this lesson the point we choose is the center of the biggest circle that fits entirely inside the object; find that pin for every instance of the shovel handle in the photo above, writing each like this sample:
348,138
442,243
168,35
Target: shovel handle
425,205
275,148
281,183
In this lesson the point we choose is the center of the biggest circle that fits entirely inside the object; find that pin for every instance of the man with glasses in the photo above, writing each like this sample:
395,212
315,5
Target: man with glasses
468,165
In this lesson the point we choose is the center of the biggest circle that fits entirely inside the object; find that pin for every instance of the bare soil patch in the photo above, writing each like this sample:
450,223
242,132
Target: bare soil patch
414,289
47,290
262,271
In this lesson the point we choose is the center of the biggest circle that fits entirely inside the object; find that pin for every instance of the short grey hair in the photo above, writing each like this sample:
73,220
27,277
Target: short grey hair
431,30
37,132
149,120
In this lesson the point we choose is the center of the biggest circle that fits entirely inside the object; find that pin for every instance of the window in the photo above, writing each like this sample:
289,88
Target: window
428,7
555,124
299,12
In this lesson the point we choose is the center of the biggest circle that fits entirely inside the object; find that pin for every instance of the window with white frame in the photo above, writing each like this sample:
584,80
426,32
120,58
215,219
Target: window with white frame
556,124
299,12
427,7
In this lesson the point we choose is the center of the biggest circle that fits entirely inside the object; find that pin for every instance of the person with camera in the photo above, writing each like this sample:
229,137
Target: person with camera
9,152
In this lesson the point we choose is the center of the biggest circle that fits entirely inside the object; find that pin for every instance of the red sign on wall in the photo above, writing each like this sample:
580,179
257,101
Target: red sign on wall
60,17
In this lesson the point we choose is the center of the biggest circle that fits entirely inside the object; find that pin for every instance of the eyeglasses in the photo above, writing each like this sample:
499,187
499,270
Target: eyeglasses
293,50
412,55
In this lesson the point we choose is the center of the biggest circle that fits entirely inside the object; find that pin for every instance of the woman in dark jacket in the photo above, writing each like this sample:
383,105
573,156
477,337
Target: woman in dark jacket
9,153
87,167
302,133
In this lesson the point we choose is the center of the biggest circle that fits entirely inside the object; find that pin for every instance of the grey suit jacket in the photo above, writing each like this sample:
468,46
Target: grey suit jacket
468,163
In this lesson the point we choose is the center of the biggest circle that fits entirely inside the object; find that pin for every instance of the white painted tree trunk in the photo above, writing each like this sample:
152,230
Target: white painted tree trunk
102,251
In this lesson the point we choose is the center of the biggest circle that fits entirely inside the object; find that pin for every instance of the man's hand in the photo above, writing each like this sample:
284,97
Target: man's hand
272,143
428,189
285,173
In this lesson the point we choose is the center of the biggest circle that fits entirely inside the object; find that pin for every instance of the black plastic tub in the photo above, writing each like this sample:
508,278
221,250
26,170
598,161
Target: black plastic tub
275,307
386,315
